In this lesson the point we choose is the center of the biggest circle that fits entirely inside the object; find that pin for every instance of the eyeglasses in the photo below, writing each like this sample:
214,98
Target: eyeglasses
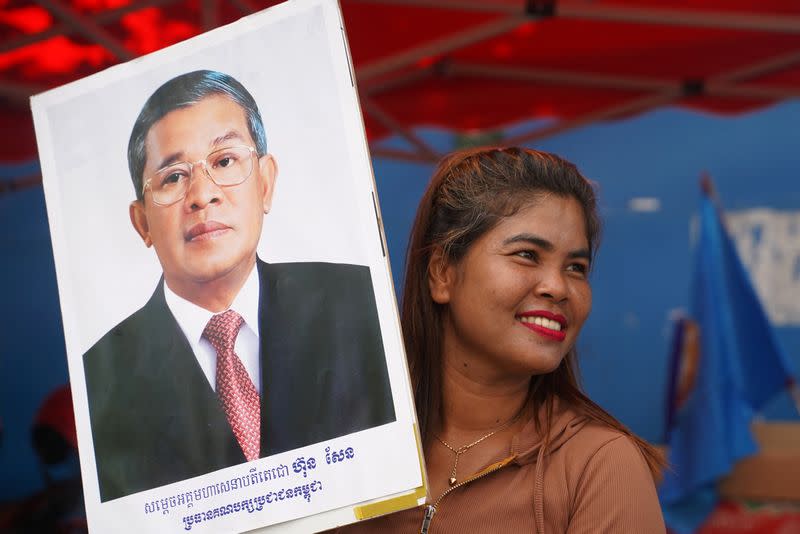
225,167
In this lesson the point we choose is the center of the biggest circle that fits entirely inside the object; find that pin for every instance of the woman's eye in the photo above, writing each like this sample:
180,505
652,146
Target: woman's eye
527,254
578,268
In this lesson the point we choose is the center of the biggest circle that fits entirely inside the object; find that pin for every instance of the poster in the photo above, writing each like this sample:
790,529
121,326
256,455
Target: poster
232,337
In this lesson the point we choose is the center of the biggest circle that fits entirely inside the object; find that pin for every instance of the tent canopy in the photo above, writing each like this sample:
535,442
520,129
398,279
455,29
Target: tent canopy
466,65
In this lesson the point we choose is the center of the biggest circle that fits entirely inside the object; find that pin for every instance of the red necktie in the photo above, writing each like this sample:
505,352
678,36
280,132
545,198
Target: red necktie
236,391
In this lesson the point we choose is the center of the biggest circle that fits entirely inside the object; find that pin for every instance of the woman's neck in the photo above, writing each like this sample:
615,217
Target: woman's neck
474,403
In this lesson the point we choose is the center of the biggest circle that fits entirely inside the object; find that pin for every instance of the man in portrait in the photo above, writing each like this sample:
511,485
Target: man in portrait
231,359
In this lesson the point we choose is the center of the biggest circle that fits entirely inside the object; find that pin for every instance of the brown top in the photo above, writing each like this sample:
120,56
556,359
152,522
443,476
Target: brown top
593,479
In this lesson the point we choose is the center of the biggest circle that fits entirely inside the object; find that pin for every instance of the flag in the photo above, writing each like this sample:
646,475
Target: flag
726,366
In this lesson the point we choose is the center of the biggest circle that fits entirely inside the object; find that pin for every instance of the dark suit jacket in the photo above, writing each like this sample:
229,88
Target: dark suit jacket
156,420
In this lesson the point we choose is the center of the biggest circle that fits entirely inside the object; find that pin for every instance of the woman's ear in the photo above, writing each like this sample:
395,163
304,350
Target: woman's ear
441,276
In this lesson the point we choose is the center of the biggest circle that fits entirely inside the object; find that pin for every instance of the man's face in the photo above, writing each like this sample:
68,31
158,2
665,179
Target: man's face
211,235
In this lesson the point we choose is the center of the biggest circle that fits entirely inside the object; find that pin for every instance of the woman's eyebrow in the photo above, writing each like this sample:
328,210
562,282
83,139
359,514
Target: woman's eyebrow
546,245
532,239
581,253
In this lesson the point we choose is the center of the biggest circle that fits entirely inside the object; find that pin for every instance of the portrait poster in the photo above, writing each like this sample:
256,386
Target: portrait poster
232,335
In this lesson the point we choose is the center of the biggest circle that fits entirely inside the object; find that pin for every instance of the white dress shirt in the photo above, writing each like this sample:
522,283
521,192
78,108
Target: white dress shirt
193,320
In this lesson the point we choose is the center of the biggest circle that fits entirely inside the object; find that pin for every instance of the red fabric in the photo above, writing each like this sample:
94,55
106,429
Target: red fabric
56,412
736,518
667,53
16,131
437,96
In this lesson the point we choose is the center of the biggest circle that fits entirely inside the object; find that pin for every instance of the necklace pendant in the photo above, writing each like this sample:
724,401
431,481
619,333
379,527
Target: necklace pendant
452,481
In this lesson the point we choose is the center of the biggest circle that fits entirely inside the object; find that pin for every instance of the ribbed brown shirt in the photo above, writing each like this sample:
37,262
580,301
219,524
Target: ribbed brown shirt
592,480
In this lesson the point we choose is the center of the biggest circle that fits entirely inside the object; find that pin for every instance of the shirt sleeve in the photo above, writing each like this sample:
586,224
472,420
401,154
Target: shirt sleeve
616,493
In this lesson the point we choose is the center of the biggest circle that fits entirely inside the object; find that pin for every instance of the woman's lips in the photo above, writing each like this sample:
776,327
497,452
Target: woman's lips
545,323
205,230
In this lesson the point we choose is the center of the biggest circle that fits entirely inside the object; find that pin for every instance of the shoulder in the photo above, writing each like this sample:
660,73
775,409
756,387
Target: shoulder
314,269
329,278
595,437
611,483
598,448
118,335
125,337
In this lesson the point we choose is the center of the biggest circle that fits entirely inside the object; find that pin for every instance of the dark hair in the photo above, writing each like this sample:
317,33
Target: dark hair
469,193
181,92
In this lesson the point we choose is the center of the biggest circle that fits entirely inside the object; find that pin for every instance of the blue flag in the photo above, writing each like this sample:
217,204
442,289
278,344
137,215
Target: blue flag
726,365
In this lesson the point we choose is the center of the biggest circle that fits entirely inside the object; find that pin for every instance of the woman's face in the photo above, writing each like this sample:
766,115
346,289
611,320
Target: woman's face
518,298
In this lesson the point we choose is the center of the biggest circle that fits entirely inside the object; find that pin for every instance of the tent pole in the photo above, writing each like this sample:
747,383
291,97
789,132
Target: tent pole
630,107
87,27
103,17
389,122
438,47
677,17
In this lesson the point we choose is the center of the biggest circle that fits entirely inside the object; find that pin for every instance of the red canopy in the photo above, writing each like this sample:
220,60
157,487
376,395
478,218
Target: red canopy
465,64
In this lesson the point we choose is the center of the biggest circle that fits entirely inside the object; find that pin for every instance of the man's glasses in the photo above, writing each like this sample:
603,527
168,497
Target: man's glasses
225,167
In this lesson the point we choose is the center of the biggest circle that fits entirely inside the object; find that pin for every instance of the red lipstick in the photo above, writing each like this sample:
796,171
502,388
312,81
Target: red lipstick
526,318
204,230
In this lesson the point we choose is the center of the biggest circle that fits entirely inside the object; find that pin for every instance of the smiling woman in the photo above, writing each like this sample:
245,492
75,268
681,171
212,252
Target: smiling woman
518,298
496,292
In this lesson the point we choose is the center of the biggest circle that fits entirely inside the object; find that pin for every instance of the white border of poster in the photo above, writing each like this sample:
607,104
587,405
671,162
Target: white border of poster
293,58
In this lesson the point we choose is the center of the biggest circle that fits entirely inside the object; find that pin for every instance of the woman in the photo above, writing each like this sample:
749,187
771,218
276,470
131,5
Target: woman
496,292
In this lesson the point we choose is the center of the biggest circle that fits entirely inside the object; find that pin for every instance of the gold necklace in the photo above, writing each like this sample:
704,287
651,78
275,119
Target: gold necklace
464,448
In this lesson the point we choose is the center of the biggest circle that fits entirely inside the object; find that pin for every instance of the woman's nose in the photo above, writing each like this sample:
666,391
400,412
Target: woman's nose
552,284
